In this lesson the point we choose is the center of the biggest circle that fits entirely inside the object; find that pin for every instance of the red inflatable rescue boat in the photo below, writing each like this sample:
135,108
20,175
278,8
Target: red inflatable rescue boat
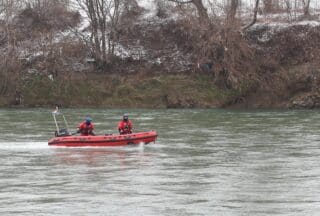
104,140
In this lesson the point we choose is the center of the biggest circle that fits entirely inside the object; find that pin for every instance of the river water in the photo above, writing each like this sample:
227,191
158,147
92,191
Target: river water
205,162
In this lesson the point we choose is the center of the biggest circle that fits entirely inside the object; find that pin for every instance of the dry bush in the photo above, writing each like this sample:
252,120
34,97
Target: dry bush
220,49
290,46
34,19
63,59
10,81
74,49
131,13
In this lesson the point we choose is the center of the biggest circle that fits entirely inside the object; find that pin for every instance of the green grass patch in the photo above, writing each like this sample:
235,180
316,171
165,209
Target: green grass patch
130,91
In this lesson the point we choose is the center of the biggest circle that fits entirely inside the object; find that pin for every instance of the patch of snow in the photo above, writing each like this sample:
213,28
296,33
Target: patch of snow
281,25
30,55
50,76
150,7
134,52
32,71
158,61
311,23
276,27
85,22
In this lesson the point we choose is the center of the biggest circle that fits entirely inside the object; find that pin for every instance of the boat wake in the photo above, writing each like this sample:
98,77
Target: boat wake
24,145
141,147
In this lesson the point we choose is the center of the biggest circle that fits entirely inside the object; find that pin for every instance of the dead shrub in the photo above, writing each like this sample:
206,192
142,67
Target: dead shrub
10,81
43,19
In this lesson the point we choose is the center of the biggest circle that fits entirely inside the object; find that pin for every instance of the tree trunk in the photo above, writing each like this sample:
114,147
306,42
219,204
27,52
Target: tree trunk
306,7
202,11
268,7
100,7
276,4
232,11
94,29
254,19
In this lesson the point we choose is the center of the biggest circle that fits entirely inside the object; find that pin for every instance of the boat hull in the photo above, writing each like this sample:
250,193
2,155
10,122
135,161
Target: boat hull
107,140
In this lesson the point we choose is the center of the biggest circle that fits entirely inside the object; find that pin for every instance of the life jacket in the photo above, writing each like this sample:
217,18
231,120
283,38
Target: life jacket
125,127
85,129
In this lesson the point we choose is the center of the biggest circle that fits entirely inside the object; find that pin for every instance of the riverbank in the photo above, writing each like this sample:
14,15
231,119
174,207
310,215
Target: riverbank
293,87
114,91
163,60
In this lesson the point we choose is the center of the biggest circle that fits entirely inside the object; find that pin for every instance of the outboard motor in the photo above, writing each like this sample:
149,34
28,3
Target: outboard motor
62,133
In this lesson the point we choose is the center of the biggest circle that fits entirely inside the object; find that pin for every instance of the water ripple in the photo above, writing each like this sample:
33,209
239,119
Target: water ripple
205,162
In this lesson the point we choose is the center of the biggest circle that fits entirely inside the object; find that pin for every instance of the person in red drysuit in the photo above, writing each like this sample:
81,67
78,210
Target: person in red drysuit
125,125
86,128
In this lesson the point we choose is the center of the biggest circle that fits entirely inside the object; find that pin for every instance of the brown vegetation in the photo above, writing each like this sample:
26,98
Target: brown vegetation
247,63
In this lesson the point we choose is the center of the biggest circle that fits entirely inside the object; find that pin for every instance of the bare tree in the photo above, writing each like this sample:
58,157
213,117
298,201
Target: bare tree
268,6
8,11
9,64
306,7
232,11
104,17
201,9
254,19
114,17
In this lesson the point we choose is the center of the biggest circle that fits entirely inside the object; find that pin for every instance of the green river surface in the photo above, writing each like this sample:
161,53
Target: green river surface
204,162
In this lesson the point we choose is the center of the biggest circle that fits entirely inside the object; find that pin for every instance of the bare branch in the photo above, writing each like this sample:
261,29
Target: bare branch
255,13
202,10
181,2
